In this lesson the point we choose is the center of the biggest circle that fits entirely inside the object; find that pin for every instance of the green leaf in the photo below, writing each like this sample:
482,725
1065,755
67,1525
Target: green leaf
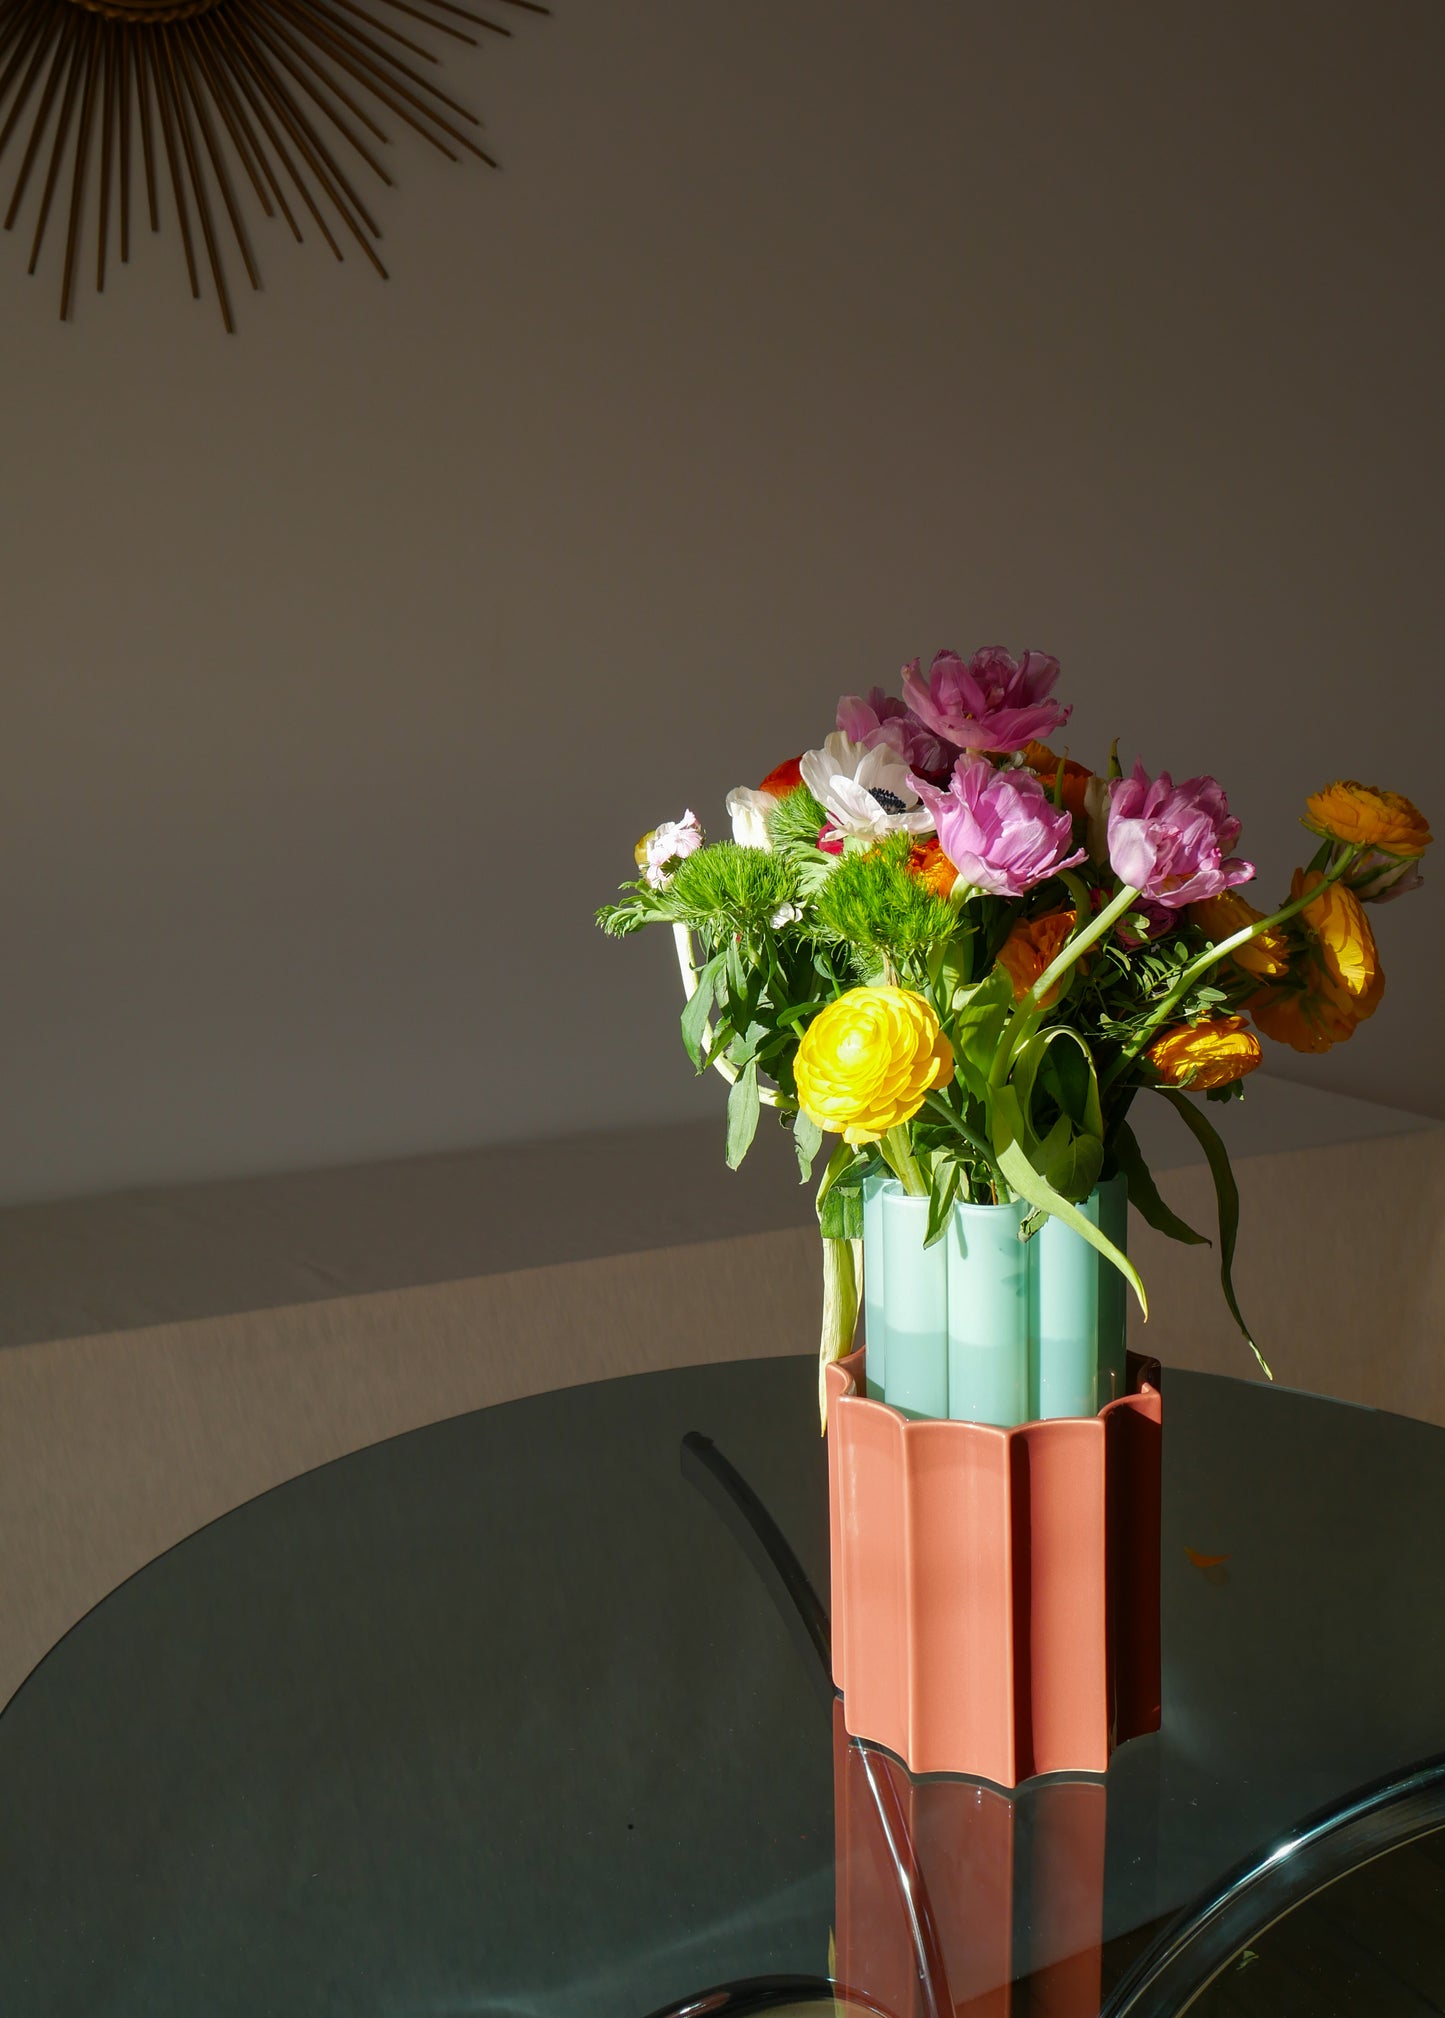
841,1271
1072,1155
743,1107
1227,1192
841,1217
1060,1061
1029,1183
743,985
975,1025
840,1195
947,1174
807,1141
698,1009
1069,1161
1144,1194
839,1162
749,1044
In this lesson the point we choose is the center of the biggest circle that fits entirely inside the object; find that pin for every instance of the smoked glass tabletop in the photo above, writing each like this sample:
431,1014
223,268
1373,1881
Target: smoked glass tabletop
523,1715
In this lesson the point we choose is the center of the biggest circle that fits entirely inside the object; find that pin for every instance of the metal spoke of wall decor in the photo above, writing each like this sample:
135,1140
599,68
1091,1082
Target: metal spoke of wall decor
217,94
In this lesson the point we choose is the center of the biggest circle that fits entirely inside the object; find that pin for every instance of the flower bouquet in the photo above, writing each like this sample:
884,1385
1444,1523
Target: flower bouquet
946,944
965,956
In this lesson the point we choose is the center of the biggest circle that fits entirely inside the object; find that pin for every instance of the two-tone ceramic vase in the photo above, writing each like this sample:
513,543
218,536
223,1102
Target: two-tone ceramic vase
994,1465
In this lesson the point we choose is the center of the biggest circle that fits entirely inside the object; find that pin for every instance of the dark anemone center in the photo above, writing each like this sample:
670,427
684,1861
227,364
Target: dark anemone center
889,801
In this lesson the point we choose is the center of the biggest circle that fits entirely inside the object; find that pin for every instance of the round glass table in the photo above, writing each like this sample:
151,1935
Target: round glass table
526,1714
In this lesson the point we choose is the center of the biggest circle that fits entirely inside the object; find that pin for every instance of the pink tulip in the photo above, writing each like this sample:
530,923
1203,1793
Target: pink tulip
876,717
1169,841
1000,829
991,702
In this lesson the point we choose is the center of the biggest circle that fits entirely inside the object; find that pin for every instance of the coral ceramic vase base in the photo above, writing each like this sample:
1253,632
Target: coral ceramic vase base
995,1590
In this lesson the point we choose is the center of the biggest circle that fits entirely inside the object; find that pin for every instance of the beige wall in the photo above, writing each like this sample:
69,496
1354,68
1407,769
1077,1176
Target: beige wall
344,659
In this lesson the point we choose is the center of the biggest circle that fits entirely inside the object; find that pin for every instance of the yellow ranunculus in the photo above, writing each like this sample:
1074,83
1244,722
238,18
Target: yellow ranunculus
1266,956
866,1061
1364,816
1344,942
1201,1055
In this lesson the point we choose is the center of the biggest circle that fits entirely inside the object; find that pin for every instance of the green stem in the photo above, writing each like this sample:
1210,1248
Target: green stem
1068,954
975,1141
841,1260
897,1153
1202,963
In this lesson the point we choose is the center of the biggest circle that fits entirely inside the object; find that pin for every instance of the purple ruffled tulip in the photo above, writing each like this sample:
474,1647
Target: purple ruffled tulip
876,717
989,702
1000,829
1169,841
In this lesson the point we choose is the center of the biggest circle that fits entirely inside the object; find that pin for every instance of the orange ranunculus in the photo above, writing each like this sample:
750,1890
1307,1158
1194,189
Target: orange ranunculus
1041,760
1307,1019
1366,817
783,778
1033,945
927,861
1343,943
1200,1055
1266,956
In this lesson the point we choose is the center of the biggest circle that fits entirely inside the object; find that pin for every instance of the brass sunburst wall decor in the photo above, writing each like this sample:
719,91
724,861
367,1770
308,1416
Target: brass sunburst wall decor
218,93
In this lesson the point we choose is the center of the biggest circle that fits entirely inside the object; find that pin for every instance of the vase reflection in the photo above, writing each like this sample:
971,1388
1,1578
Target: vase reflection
952,1893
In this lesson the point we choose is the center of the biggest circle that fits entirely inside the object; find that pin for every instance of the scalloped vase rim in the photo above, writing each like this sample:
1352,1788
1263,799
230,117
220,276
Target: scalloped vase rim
850,1366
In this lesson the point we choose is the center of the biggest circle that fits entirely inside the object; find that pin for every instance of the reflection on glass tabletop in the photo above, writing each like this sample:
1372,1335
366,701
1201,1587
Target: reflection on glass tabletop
507,1717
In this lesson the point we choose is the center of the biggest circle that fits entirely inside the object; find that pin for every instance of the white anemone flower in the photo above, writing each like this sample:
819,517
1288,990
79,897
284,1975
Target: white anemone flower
748,810
865,791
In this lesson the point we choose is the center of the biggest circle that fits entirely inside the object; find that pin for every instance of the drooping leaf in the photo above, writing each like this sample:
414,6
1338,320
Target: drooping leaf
743,1108
1059,1062
1030,1184
1144,1193
1227,1193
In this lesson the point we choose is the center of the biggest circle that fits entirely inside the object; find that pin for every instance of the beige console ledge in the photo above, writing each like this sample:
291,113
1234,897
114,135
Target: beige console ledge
116,1443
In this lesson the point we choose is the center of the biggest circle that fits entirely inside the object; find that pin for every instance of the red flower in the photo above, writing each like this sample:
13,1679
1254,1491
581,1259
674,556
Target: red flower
784,778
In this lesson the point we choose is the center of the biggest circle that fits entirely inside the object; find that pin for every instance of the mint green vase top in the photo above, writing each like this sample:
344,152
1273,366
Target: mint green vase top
985,1326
